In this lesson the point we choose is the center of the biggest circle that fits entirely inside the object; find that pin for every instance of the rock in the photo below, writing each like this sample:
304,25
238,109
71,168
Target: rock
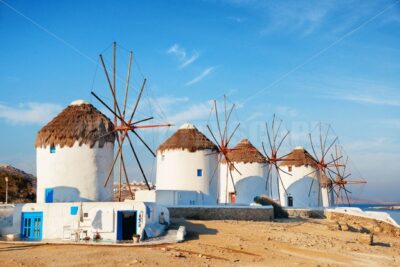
344,227
377,229
179,255
181,233
367,239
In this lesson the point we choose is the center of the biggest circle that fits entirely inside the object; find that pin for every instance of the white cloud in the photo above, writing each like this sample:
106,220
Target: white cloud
361,91
314,16
369,99
189,61
176,50
390,123
200,77
179,110
182,56
29,113
287,111
199,111
237,19
364,98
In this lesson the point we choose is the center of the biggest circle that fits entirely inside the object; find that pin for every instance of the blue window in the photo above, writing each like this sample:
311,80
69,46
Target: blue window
74,210
199,172
52,149
48,195
31,225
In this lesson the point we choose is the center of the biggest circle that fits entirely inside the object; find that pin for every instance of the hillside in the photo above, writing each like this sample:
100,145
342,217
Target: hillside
21,185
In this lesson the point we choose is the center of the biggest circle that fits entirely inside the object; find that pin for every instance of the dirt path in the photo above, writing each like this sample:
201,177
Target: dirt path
225,243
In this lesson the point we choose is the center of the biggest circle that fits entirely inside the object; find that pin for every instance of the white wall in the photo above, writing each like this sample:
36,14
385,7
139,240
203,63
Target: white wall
326,197
177,170
181,198
145,195
102,217
298,186
75,173
249,184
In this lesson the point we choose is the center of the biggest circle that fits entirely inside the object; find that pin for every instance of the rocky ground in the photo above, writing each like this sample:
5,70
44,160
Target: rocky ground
292,242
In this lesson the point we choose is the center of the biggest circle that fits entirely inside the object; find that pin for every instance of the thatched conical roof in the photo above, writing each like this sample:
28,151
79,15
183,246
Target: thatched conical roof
299,157
79,122
187,137
245,152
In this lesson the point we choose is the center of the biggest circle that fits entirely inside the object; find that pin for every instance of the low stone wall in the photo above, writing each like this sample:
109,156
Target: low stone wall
248,213
362,224
306,213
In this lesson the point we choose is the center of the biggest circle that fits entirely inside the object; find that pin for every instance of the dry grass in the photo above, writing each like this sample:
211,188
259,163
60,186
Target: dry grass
77,123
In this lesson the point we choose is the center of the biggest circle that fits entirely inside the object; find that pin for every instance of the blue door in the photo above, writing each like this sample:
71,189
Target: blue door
31,225
48,195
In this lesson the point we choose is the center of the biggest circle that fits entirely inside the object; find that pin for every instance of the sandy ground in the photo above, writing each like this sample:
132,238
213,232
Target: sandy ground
294,242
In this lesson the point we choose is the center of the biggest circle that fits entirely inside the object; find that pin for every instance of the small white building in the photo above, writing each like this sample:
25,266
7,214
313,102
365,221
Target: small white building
187,169
250,182
78,221
302,188
74,154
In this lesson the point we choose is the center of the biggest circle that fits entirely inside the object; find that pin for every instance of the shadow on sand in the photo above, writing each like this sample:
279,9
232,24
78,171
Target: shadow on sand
11,248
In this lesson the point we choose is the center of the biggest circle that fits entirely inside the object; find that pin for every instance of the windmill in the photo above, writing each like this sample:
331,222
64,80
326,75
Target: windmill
325,168
124,124
341,180
223,143
275,140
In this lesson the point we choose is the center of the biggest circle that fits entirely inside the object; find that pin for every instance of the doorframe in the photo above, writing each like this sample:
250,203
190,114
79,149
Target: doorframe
119,233
31,215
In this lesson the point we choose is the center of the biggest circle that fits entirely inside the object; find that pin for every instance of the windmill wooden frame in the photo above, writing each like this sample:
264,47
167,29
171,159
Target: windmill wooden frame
223,143
272,156
123,124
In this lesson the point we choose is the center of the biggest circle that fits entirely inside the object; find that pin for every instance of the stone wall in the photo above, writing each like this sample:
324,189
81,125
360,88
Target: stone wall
248,213
362,224
306,213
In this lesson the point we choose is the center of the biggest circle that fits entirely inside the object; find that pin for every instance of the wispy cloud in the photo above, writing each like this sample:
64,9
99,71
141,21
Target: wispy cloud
29,113
189,61
360,91
390,123
198,111
181,54
314,16
178,110
237,19
369,99
200,77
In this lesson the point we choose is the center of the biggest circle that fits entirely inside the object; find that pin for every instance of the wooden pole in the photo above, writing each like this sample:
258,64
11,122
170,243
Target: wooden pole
114,87
127,83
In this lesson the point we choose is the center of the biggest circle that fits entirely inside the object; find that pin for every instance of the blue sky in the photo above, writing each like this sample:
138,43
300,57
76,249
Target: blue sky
335,62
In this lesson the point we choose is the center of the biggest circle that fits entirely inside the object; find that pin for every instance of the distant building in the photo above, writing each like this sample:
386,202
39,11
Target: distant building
74,152
250,182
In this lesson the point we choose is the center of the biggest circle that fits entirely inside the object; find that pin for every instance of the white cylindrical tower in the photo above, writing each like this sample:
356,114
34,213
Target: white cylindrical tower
300,187
250,182
326,191
74,154
188,161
